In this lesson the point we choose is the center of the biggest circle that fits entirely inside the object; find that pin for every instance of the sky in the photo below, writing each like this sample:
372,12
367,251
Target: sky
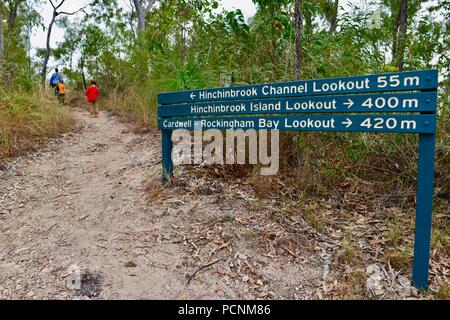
248,8
39,37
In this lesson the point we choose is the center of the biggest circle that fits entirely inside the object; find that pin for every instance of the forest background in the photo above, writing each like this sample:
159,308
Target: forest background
152,46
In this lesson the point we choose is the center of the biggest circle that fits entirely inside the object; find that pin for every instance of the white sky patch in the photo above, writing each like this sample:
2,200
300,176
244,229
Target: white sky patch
248,8
39,36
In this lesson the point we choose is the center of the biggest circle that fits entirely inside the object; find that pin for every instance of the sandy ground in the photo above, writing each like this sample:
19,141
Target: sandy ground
84,201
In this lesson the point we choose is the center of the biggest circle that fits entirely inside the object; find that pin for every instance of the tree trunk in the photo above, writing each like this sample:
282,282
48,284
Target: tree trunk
47,51
333,19
447,88
401,37
12,18
141,15
49,33
394,46
298,38
1,39
71,61
308,20
83,78
142,12
183,43
394,18
273,39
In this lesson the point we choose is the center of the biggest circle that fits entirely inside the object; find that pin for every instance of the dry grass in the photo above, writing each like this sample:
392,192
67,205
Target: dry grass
369,220
444,291
353,285
401,259
28,119
155,190
132,105
315,217
349,252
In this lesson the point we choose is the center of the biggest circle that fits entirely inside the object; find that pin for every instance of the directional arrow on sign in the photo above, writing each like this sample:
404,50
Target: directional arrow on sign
347,123
411,123
349,103
373,83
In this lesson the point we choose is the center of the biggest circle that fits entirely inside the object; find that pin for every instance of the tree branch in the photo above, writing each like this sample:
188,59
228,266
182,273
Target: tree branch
72,13
59,5
150,5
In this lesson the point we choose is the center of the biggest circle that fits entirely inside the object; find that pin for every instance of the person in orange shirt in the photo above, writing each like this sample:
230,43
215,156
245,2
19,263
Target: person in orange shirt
91,97
61,91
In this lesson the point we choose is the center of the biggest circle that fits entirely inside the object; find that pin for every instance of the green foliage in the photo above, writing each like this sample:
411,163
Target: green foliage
187,45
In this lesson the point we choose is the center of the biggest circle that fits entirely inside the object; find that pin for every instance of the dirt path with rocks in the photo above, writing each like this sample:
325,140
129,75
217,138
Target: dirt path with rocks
91,199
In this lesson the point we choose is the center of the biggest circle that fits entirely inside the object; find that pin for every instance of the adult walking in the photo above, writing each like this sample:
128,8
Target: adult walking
55,80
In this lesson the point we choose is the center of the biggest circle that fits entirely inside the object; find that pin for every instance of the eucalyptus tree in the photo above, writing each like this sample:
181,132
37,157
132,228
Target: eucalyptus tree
274,23
15,36
13,7
142,8
298,37
1,37
56,12
330,9
400,26
9,9
402,14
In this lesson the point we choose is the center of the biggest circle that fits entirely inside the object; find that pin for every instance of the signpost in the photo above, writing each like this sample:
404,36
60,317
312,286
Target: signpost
402,102
226,79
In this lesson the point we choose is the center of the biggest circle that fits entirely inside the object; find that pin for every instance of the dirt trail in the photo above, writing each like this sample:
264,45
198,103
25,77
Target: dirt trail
82,201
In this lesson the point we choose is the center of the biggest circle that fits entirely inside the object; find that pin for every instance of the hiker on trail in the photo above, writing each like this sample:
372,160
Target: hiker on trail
61,91
91,96
55,80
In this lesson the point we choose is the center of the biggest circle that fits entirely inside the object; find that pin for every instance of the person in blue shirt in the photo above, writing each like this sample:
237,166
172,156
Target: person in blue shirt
55,80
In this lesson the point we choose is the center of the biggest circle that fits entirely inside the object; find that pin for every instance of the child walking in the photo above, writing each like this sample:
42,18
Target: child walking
91,96
61,91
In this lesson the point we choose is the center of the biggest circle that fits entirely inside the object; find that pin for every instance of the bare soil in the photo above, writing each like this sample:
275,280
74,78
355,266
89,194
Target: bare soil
92,199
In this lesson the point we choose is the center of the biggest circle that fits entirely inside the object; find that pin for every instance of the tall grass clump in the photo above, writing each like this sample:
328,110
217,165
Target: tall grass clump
131,105
28,119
